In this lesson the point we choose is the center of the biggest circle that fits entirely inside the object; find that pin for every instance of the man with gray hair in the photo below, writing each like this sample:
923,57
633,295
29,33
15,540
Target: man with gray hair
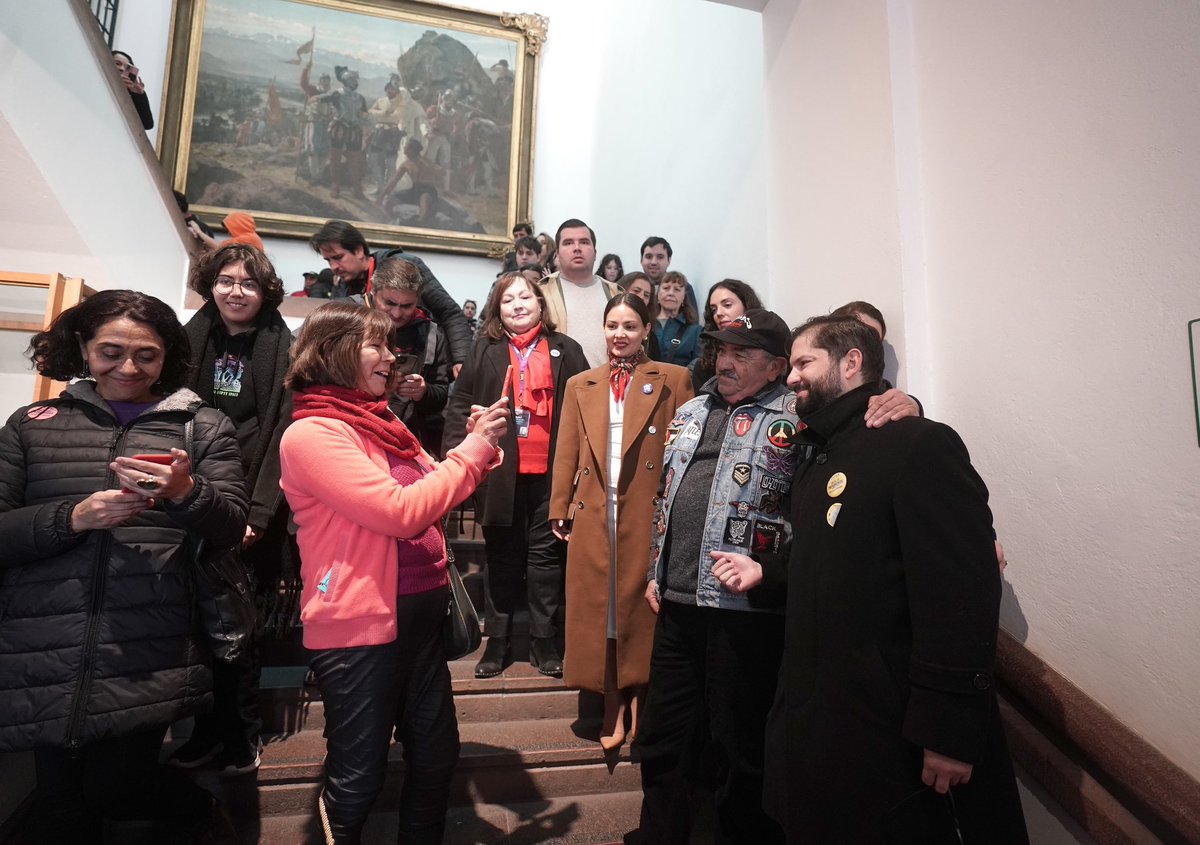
723,510
420,385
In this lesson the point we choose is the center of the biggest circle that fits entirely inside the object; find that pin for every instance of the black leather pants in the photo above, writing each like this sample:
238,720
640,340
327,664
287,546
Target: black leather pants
371,691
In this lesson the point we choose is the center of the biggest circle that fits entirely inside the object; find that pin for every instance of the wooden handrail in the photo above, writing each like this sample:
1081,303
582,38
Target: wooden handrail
1156,791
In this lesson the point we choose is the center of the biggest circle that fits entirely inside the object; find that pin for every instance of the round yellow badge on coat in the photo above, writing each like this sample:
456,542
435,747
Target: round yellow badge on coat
836,485
831,515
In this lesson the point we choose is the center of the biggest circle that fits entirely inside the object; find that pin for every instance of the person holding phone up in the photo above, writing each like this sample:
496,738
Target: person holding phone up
421,375
134,85
518,353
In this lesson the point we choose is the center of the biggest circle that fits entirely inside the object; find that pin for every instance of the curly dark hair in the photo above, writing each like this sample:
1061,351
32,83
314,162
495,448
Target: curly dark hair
207,267
56,351
749,299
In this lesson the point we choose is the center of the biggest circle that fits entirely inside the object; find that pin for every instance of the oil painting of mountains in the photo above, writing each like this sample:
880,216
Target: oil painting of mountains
383,114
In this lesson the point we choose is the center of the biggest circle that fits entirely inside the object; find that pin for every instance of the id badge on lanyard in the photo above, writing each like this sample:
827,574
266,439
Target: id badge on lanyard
521,421
521,416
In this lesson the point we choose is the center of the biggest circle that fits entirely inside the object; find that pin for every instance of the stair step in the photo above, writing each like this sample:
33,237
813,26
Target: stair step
303,710
569,820
288,705
511,761
530,742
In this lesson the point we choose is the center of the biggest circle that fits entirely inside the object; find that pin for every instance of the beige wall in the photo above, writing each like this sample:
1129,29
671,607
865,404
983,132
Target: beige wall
1015,184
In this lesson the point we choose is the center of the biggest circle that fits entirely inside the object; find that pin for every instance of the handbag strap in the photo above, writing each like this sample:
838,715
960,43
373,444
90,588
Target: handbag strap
197,544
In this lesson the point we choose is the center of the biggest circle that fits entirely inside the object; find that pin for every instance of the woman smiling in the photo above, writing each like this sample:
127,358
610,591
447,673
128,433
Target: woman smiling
368,502
524,559
239,357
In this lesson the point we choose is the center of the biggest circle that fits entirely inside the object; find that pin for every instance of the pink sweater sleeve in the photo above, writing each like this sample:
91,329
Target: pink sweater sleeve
327,460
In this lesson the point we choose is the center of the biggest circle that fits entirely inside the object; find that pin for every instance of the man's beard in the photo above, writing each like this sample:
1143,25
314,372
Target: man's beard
820,393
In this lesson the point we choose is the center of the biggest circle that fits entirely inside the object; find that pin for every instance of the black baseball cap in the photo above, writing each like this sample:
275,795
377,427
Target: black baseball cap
758,328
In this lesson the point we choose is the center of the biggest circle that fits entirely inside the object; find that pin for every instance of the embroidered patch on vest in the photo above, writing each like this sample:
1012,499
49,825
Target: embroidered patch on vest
736,530
768,536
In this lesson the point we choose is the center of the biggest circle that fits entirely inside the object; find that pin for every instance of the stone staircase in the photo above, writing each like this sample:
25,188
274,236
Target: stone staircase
531,768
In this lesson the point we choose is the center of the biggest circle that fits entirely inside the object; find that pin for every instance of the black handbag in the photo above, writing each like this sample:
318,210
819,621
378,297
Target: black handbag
222,592
224,599
460,630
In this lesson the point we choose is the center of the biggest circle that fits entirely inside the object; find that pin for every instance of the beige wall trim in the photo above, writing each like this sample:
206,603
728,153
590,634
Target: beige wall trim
1116,785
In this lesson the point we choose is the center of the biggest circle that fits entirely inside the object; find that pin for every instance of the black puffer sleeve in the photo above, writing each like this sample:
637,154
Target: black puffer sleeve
28,533
217,509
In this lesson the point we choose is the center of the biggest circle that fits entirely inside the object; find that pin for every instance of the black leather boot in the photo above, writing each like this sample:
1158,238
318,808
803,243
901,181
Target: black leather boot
496,656
543,654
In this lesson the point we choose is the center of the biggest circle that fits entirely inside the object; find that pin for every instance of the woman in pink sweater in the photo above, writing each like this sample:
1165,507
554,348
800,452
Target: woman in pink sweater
368,503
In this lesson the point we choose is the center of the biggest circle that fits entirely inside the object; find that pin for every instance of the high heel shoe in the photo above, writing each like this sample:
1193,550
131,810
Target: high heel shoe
612,731
635,708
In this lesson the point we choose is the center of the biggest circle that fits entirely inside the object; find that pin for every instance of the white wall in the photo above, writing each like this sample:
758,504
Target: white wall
79,193
641,129
1015,184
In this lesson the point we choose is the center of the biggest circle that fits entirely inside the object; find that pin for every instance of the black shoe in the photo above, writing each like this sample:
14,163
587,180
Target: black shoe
543,654
240,759
195,752
496,656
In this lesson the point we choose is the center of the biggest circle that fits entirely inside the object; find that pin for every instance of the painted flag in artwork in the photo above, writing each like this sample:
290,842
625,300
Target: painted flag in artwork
303,50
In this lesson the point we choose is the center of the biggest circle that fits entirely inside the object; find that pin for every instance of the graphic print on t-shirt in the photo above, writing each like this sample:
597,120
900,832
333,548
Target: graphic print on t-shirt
227,375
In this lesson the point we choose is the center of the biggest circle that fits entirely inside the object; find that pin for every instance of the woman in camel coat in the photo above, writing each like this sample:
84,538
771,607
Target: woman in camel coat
607,650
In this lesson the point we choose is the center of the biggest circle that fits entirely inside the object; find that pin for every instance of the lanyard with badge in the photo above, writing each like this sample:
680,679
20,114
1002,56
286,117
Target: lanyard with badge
521,416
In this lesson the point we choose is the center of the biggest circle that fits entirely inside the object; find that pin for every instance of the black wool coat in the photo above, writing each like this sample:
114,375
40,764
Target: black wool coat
480,383
98,635
892,612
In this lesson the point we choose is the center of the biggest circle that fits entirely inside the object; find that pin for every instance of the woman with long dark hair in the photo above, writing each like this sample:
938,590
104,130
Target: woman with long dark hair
101,506
607,466
727,300
610,267
524,558
368,503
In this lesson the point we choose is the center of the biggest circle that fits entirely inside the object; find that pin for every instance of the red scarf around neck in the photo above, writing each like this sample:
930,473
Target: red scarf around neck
622,373
538,395
363,412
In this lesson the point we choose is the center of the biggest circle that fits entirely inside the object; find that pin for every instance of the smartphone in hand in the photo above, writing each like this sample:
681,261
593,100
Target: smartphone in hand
156,458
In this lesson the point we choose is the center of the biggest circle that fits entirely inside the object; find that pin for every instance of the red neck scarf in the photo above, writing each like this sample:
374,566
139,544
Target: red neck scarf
622,373
363,412
537,394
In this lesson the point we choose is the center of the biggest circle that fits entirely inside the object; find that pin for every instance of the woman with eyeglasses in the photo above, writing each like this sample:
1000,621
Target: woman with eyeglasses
239,356
101,504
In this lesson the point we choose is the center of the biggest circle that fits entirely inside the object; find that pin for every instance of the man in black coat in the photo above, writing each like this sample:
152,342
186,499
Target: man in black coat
345,248
885,727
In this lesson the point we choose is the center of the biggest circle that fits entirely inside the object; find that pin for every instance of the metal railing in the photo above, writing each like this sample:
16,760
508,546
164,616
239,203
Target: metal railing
106,15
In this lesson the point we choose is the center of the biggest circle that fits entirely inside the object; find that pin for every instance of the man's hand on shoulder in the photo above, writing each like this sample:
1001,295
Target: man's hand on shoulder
893,405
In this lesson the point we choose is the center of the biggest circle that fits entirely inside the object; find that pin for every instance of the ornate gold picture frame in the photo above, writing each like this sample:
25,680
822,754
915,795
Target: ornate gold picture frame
412,120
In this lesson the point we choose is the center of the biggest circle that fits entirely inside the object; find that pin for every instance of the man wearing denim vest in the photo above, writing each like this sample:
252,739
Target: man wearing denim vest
727,474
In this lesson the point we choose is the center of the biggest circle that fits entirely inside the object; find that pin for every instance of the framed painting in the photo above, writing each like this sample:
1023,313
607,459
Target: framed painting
412,120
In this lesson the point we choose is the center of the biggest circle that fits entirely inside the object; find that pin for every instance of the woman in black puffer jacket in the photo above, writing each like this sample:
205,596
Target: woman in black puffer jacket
99,645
